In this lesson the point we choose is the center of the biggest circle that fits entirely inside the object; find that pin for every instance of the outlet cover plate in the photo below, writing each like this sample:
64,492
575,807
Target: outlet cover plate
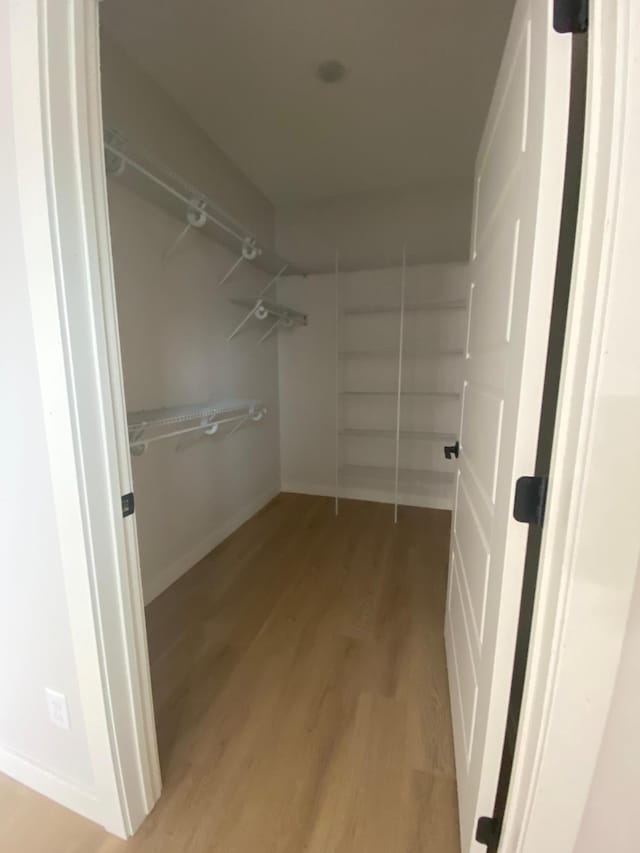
57,707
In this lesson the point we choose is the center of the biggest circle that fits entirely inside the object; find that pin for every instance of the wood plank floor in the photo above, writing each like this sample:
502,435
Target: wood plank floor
301,696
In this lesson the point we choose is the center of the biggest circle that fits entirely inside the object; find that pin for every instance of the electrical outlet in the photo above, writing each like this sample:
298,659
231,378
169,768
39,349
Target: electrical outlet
57,707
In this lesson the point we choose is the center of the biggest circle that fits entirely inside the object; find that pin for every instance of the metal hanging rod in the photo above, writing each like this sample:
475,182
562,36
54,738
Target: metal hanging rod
249,253
146,427
200,209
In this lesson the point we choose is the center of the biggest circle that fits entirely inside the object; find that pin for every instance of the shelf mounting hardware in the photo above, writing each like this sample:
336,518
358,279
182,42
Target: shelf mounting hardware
261,308
196,218
272,281
143,171
250,252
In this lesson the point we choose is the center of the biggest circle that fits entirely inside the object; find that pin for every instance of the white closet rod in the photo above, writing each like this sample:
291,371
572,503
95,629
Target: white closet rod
399,396
208,429
191,203
179,420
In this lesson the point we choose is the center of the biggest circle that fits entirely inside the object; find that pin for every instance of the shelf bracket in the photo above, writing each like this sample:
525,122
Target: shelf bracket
255,311
281,321
250,252
273,280
115,162
137,444
253,415
196,218
210,426
239,424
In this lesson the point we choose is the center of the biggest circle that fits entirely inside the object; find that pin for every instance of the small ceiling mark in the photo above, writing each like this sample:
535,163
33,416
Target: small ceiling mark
331,71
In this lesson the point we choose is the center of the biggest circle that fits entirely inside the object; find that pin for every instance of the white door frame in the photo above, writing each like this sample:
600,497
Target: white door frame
64,210
591,541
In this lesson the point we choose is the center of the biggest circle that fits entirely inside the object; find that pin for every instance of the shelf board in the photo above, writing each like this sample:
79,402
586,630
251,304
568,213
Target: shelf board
172,415
134,168
425,435
448,395
270,308
408,477
441,305
393,353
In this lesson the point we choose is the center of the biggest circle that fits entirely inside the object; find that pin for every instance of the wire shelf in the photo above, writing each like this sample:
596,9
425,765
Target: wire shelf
263,309
162,186
151,425
444,305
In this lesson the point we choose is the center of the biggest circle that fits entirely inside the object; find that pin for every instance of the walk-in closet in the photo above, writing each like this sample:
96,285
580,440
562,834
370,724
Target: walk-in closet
333,295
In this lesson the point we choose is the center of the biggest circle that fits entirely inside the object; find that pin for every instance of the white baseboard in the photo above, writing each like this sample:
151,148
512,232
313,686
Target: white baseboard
53,787
161,580
377,495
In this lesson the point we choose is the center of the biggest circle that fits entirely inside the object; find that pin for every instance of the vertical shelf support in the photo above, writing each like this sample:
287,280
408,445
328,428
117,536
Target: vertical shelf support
399,395
337,357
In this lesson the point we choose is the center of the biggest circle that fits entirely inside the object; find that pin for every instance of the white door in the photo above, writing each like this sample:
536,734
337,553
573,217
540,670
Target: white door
518,197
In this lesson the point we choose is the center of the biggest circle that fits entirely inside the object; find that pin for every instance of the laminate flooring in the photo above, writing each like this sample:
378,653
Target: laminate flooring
300,691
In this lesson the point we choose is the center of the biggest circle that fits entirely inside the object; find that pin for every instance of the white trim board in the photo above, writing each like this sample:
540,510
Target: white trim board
163,579
55,788
63,216
362,494
588,562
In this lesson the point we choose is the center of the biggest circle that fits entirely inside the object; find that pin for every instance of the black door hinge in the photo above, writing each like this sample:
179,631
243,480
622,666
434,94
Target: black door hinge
127,504
530,500
571,16
488,831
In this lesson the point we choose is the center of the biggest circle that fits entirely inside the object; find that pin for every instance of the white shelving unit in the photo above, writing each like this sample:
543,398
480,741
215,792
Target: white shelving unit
160,185
387,474
390,353
399,352
416,308
425,435
151,425
264,309
370,392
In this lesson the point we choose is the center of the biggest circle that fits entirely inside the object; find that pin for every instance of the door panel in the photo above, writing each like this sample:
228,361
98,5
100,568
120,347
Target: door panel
472,549
518,197
466,667
507,138
483,411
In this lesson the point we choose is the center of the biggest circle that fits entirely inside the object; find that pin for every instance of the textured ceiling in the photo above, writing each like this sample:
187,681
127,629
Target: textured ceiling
409,111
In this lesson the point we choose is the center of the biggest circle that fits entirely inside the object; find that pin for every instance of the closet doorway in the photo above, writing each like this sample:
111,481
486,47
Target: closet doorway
333,314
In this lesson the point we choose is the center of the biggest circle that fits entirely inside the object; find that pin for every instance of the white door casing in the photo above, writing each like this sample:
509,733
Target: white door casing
57,123
517,205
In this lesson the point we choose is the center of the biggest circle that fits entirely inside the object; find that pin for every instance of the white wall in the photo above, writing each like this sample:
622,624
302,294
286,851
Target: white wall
173,323
609,820
369,229
308,387
36,649
308,381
